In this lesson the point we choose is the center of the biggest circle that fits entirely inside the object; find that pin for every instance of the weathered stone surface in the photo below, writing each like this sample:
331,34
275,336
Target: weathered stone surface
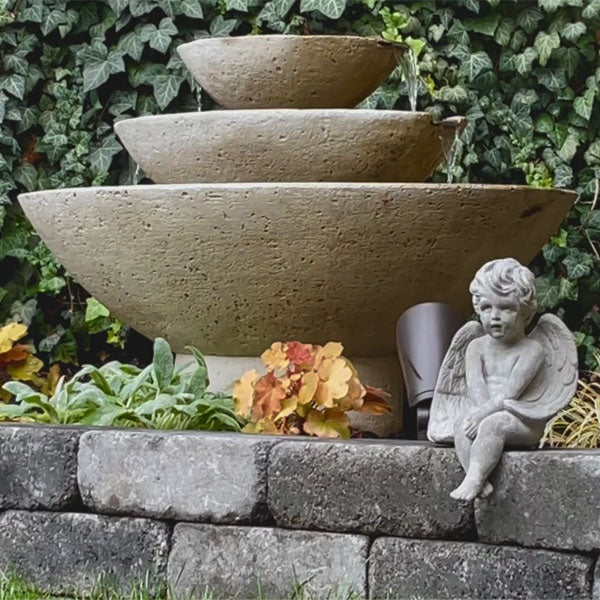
70,552
287,145
204,263
235,561
398,489
290,71
596,588
38,467
184,476
543,499
425,569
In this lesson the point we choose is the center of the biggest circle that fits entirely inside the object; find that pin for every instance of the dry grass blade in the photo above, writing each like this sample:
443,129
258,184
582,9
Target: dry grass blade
578,425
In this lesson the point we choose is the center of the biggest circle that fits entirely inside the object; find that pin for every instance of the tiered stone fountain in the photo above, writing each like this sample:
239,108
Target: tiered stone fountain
296,217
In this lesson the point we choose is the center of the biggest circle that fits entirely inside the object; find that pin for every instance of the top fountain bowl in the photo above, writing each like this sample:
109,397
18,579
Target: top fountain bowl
290,71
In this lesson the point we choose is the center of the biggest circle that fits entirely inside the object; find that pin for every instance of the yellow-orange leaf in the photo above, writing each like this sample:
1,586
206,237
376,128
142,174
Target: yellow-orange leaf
25,370
288,406
323,395
9,334
243,392
275,357
299,354
376,401
332,423
51,381
268,394
310,381
15,354
261,426
337,374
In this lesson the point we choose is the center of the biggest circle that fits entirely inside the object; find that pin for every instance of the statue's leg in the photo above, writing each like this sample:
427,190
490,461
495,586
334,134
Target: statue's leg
493,433
462,443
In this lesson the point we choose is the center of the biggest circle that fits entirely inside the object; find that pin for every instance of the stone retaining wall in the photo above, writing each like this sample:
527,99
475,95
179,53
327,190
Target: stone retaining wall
236,513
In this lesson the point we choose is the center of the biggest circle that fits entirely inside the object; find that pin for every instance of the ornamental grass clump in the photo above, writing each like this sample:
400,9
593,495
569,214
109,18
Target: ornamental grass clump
307,390
121,395
578,425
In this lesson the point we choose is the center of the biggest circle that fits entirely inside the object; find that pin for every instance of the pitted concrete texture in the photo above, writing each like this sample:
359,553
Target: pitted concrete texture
380,372
69,553
183,476
393,489
38,467
291,71
251,562
231,268
424,569
287,145
544,498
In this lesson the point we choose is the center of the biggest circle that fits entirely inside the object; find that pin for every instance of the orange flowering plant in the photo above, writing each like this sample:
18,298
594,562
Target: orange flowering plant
307,390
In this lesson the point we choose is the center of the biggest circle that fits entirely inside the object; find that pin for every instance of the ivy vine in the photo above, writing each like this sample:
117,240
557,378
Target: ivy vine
526,75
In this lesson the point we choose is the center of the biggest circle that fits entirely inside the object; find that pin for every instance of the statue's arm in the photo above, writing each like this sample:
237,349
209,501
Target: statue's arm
476,385
524,371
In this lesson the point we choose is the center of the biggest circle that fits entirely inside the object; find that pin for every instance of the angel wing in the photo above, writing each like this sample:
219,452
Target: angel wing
556,382
450,397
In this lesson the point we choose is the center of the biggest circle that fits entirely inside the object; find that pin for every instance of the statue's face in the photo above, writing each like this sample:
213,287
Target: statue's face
501,317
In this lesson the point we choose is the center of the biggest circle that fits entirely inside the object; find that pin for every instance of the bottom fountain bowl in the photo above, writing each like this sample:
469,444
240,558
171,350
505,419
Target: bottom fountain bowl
230,268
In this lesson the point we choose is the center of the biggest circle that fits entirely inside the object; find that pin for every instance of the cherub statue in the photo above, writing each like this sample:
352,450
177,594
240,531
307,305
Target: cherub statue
498,386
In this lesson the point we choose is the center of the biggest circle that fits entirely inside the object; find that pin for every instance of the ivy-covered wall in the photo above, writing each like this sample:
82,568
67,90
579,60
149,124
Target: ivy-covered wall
526,74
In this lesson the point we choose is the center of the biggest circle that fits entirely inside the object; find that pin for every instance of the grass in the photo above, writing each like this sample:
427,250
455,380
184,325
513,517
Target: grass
13,587
578,425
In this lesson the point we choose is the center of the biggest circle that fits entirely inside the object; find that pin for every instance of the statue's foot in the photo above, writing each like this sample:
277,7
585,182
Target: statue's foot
486,490
467,490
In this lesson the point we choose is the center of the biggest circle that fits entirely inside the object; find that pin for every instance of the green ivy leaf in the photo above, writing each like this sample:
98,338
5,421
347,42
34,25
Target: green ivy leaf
161,40
550,5
27,176
474,64
14,84
529,18
485,25
95,310
192,9
544,123
544,44
583,104
166,87
241,5
221,27
142,7
568,58
52,20
523,62
101,158
579,264
453,95
504,31
553,79
548,292
99,65
118,6
132,45
573,31
592,10
569,148
33,13
563,176
330,8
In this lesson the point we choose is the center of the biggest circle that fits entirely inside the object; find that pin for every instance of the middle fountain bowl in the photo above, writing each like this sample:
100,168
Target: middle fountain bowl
288,145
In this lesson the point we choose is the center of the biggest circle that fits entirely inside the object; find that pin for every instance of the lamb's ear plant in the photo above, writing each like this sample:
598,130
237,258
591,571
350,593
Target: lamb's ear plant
159,396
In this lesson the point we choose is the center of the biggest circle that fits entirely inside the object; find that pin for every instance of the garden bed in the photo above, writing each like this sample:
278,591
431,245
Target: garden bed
233,512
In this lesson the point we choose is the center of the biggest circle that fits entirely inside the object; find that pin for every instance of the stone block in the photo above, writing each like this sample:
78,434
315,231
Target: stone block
401,568
69,553
377,488
596,589
237,562
543,499
183,476
38,467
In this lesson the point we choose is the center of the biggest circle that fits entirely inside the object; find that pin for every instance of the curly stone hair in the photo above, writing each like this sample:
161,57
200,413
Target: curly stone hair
504,277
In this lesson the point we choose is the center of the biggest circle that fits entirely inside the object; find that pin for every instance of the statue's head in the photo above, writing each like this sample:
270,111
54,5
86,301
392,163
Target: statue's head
503,293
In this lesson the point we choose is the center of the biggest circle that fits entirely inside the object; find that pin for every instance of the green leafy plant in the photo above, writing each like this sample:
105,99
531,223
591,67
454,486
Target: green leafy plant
156,397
